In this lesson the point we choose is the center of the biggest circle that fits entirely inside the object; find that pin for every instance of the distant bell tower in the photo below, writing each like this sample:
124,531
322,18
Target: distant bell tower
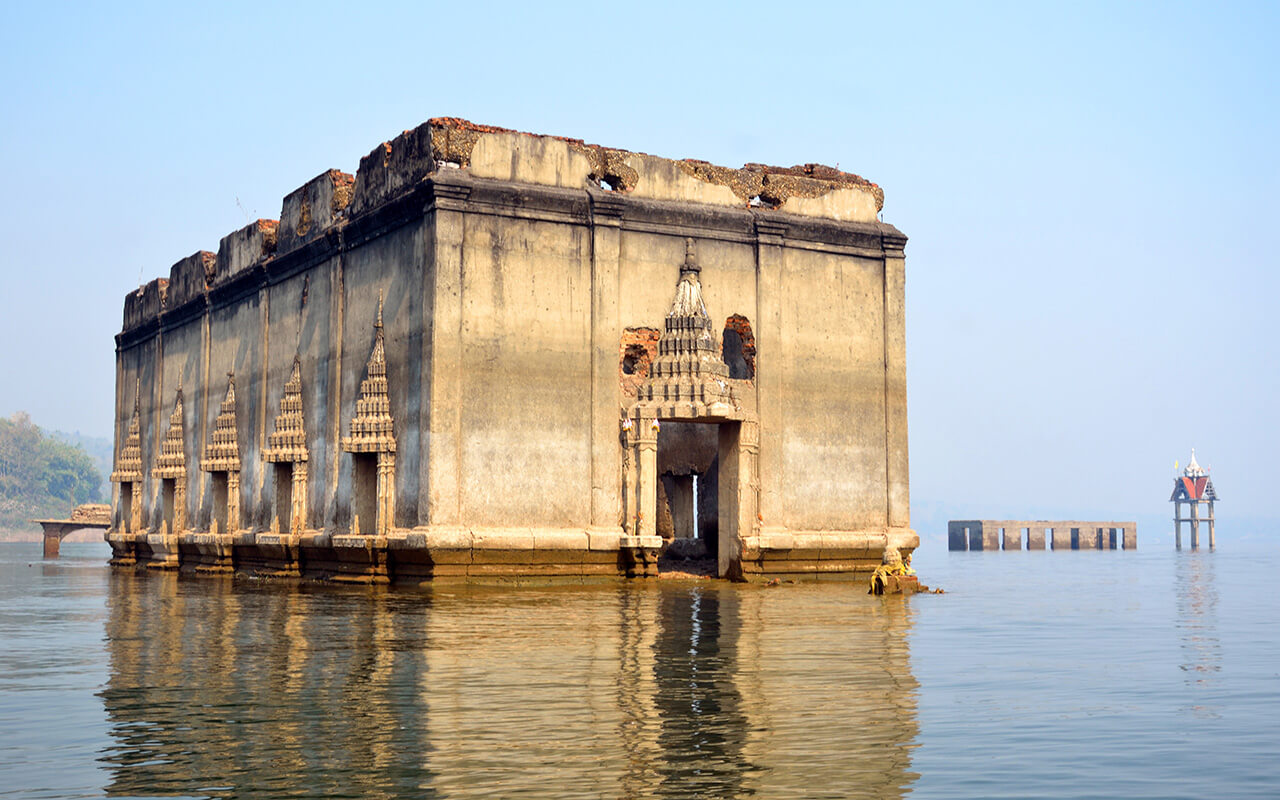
1194,488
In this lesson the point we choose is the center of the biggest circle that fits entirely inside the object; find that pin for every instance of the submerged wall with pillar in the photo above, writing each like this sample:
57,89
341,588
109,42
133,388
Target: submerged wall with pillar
1012,534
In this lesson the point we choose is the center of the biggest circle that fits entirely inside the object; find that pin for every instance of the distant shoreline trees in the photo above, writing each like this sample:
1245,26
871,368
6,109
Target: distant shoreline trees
41,476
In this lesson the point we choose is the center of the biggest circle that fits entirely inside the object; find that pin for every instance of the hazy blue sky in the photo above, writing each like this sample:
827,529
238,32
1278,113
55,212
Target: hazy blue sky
1090,192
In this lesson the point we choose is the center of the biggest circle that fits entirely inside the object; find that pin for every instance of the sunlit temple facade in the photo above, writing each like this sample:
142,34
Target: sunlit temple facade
492,354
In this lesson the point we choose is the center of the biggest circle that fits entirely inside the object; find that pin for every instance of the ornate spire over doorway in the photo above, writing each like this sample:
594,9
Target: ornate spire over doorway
372,428
172,463
129,463
288,442
688,379
223,453
372,444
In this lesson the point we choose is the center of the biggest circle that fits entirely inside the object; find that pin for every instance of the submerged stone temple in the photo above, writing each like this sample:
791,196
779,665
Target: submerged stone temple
496,354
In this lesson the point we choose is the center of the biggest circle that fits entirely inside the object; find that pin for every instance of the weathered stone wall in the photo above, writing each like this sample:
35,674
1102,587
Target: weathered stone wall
506,274
390,266
238,335
831,414
526,374
183,365
136,384
302,322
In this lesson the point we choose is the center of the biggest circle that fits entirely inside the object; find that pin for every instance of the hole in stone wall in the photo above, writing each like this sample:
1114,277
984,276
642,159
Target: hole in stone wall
739,347
612,179
636,351
696,497
632,359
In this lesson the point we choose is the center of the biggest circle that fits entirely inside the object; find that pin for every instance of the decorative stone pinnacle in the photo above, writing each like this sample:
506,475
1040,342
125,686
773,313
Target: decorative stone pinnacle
129,464
372,428
688,376
172,462
223,452
288,443
690,261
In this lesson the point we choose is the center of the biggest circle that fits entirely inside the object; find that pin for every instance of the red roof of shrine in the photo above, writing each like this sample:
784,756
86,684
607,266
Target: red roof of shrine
1193,489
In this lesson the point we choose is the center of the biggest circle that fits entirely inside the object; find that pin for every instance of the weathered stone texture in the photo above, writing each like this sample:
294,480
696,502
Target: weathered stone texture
238,251
313,209
190,279
143,306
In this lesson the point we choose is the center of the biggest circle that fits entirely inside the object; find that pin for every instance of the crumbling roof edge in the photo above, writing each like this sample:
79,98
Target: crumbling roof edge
397,165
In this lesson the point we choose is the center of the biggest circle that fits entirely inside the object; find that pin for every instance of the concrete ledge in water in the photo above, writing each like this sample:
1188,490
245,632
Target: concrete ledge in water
426,554
991,534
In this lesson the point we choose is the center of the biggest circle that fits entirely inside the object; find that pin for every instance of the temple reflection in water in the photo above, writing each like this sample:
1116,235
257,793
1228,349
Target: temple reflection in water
221,688
1196,593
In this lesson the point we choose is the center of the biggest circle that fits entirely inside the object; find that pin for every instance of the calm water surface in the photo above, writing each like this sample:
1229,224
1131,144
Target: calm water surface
1054,675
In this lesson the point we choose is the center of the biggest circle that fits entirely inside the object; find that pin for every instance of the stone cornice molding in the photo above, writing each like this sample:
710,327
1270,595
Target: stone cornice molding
457,191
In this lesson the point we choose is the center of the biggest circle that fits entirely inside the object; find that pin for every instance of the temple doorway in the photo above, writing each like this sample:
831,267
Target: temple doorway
168,504
364,493
687,503
220,492
709,464
690,446
126,507
283,496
